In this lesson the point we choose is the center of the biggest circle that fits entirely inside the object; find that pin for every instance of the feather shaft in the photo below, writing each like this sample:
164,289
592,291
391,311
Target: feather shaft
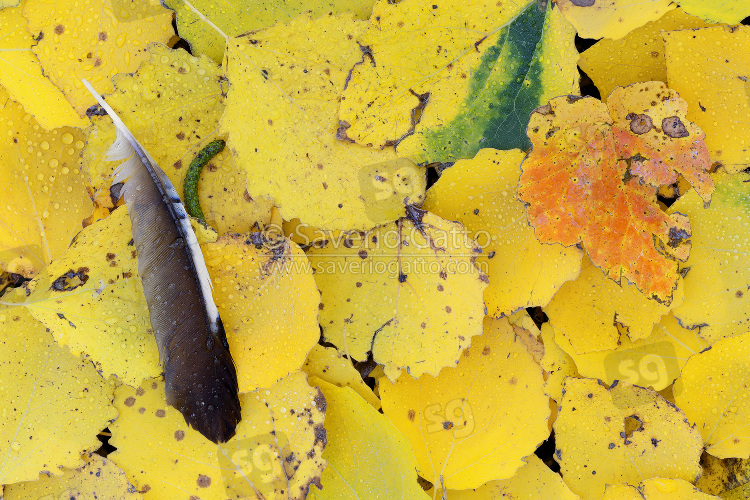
199,373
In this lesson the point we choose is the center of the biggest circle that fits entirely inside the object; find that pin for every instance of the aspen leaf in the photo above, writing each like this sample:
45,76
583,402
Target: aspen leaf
580,181
94,41
443,79
408,292
53,404
709,67
45,199
235,17
473,423
728,11
172,105
21,74
656,489
623,434
533,480
362,440
602,305
637,57
275,454
268,303
327,364
92,300
717,279
96,478
481,194
281,122
712,392
654,361
611,18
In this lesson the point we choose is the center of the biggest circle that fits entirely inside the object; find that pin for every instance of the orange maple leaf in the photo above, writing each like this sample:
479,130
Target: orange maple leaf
590,180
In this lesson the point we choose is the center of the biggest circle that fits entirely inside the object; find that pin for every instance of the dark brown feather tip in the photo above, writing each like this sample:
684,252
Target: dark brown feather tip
205,390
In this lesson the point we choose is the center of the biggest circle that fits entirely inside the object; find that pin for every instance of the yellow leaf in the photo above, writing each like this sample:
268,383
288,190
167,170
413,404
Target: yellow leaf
327,364
438,93
709,68
602,304
268,302
557,363
275,454
727,11
53,404
654,361
611,18
21,74
638,57
367,456
408,292
91,298
533,480
482,195
97,478
623,434
656,489
235,17
281,121
473,423
716,280
45,200
94,41
712,390
172,105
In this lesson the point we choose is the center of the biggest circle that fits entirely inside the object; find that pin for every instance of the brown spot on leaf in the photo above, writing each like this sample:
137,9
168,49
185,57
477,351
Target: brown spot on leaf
177,165
411,414
738,294
440,288
513,381
486,350
640,124
362,254
448,309
544,110
141,410
130,401
102,36
203,481
179,435
161,413
320,401
447,425
181,135
674,127
321,435
59,29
